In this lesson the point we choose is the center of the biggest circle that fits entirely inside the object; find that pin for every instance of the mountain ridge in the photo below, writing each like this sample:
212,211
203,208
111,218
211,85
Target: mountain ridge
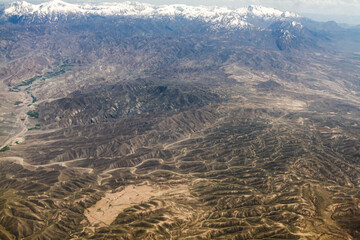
238,18
159,127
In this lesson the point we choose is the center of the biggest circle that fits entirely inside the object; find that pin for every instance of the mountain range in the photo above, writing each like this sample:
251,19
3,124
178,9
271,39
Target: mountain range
221,17
138,121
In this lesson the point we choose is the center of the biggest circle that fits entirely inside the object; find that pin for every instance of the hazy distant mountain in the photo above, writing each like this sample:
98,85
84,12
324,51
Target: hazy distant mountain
288,28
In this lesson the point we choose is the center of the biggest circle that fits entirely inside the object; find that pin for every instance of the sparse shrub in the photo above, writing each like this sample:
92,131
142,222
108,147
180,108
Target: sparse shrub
33,114
4,149
33,98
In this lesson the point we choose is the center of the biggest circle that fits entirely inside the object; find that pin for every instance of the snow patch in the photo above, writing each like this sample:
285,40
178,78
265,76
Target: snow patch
221,16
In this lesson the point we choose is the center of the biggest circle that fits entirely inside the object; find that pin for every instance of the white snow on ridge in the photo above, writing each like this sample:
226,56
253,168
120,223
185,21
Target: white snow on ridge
216,15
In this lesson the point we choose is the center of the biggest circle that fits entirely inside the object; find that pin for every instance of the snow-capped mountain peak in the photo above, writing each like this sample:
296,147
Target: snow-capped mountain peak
25,8
220,16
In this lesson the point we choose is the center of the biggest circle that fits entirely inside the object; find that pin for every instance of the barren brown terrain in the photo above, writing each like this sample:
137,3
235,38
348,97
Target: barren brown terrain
110,130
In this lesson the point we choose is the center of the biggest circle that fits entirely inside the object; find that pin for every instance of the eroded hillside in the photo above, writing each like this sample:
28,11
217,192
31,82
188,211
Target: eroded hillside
117,128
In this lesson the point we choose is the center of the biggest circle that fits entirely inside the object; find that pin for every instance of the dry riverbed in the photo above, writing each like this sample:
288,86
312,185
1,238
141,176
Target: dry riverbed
105,211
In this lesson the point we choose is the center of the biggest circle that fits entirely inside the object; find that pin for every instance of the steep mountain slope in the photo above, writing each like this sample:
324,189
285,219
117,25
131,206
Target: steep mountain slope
56,10
135,121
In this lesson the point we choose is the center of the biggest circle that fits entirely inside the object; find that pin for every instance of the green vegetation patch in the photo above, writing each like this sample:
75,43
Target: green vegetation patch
28,82
33,98
17,103
33,114
4,149
14,89
62,70
37,126
54,74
